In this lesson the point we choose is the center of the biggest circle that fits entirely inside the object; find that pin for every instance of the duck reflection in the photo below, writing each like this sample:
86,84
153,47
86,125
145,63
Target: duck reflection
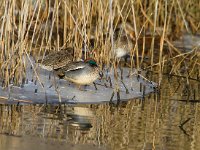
75,116
81,118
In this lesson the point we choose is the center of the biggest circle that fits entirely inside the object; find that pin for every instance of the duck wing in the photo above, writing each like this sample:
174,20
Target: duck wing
74,66
71,67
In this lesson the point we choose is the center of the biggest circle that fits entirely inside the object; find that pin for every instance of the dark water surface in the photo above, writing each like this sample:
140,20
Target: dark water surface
168,120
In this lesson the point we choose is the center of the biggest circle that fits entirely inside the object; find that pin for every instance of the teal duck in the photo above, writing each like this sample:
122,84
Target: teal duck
79,72
56,60
122,44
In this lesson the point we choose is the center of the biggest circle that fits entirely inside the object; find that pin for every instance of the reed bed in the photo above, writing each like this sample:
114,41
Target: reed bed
35,28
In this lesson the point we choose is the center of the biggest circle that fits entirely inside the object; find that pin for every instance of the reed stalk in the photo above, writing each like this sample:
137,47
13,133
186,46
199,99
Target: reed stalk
40,27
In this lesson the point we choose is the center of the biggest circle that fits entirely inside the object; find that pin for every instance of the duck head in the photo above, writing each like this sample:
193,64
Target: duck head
91,62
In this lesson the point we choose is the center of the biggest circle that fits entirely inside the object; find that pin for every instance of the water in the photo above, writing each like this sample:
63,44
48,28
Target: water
164,121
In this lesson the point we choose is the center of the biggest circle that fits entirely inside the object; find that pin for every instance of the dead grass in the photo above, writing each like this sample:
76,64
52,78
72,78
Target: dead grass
40,26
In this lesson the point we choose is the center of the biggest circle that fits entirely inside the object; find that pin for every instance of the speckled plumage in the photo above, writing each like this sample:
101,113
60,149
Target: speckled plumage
57,60
82,73
122,45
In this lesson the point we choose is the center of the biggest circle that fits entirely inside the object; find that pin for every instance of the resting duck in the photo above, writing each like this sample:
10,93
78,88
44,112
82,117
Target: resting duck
79,72
56,60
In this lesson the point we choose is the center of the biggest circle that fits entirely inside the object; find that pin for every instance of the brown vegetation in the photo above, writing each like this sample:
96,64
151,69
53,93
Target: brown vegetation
32,28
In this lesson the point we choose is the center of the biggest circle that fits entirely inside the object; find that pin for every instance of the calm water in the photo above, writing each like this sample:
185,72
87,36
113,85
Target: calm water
164,121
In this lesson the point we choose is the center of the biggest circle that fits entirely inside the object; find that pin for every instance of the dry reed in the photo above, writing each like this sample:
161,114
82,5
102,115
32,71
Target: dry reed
34,28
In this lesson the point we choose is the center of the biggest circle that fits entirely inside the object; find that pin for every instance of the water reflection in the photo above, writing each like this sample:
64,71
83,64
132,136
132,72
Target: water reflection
81,118
156,122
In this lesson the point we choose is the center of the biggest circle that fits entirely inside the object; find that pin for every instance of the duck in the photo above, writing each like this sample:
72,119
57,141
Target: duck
80,72
123,44
56,60
122,47
123,41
